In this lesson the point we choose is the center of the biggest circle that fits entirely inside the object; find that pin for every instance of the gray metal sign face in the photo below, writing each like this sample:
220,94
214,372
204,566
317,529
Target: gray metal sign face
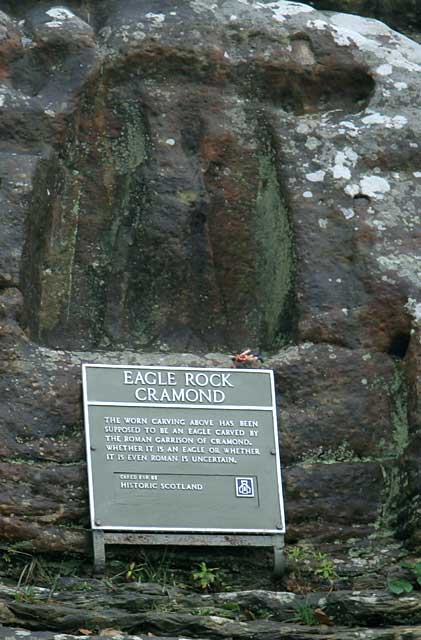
182,449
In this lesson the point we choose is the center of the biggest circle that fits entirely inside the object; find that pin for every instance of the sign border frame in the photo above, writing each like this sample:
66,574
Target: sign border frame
205,530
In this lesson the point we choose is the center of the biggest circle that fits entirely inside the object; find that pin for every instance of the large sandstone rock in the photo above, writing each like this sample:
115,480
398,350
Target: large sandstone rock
203,178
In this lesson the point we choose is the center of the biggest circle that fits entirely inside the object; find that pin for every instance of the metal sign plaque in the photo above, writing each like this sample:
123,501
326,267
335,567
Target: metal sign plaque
182,449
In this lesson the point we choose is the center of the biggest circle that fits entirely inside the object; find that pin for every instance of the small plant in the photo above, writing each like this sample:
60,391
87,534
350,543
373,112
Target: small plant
298,553
230,610
231,606
108,582
134,572
158,571
300,557
203,612
305,615
205,577
398,586
325,567
27,594
79,586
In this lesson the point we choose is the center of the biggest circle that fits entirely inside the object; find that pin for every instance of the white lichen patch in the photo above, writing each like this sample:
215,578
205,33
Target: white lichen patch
376,38
384,69
218,620
351,155
157,18
343,38
414,309
348,125
373,118
316,176
285,597
379,225
138,35
312,143
307,194
362,26
374,187
398,122
303,128
417,174
341,172
405,265
373,599
281,9
320,25
347,213
343,160
60,13
352,190
400,86
323,222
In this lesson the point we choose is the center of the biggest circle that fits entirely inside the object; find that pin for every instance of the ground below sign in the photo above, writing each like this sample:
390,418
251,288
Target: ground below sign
182,450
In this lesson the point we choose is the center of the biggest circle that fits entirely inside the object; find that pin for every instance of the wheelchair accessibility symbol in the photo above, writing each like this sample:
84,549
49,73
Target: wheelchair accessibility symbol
244,487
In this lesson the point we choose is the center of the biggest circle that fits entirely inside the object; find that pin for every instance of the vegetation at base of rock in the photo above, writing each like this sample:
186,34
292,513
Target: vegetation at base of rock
148,608
407,584
149,571
138,567
27,594
28,569
305,615
309,565
400,586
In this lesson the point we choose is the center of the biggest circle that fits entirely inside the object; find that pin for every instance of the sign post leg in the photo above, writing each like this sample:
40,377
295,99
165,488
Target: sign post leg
99,550
278,557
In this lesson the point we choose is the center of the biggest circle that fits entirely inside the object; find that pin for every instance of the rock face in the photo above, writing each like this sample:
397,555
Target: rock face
149,609
201,178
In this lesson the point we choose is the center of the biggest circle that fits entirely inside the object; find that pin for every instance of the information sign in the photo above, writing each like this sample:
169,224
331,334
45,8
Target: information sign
182,449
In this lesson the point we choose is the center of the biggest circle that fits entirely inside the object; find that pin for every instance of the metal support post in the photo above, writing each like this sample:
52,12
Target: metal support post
99,550
278,556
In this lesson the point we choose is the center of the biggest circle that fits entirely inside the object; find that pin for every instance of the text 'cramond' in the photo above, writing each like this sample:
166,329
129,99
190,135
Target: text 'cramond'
162,386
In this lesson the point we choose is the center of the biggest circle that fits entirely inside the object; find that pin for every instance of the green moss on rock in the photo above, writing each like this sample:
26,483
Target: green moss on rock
275,261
